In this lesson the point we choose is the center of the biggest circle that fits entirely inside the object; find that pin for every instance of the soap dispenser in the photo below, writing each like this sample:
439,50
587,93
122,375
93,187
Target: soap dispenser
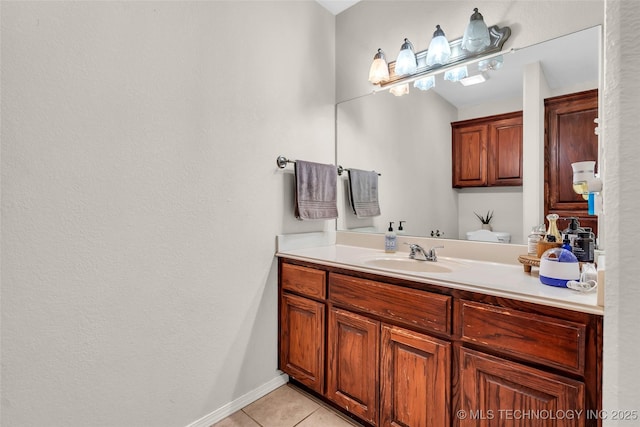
400,228
571,232
390,240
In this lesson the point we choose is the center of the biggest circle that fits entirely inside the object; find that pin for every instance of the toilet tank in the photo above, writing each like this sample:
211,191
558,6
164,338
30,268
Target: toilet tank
489,236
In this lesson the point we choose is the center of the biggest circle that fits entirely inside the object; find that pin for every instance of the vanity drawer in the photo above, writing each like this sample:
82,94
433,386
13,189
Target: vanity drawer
304,281
540,339
406,306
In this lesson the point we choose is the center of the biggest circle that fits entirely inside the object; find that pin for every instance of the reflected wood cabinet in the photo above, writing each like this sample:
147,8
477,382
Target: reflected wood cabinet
393,352
569,137
487,151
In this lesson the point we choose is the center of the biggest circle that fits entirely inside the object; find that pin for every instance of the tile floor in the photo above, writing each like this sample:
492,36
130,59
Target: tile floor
286,406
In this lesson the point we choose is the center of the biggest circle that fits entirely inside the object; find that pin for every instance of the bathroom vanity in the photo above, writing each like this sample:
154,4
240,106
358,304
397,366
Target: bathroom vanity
400,346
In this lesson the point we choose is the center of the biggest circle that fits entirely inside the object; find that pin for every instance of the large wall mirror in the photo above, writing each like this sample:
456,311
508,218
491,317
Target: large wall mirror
407,140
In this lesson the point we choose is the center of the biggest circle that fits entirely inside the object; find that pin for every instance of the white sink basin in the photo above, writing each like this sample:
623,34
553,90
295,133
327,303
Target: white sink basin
408,264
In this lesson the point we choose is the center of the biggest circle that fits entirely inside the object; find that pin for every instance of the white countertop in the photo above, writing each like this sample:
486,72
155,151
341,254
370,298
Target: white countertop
491,278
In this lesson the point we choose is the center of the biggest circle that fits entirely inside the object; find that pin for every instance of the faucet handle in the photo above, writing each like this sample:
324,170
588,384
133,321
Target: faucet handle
413,248
432,252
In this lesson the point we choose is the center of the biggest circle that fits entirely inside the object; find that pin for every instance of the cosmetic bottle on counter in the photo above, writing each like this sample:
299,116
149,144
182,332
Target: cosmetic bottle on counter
390,240
584,246
553,228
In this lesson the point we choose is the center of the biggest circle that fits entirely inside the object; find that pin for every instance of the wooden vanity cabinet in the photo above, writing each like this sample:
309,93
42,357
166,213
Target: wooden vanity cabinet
399,353
496,386
487,151
408,371
302,324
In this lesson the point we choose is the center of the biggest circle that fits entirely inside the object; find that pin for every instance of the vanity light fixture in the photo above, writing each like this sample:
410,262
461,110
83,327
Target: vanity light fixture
456,74
425,83
406,62
439,50
476,35
491,56
379,71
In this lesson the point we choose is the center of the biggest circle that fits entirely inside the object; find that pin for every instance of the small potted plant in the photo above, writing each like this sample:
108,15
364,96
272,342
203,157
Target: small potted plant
486,220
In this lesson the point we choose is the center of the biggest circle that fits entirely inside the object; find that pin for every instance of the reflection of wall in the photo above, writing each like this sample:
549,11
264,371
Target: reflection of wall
407,140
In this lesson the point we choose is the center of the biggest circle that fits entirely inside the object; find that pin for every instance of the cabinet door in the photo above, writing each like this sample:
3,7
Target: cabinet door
469,156
415,379
505,151
302,340
352,377
570,138
498,392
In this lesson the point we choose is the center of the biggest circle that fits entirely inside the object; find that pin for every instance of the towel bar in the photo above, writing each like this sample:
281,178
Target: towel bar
282,161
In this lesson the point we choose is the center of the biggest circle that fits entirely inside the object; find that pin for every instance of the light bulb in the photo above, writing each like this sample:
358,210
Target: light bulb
426,83
439,50
400,89
476,35
456,74
406,62
379,71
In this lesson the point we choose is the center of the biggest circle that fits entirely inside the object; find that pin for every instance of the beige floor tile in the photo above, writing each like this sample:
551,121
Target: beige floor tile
283,407
238,419
324,417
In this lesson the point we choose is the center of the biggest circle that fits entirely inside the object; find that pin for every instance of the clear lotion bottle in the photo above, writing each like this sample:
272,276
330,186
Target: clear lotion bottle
390,240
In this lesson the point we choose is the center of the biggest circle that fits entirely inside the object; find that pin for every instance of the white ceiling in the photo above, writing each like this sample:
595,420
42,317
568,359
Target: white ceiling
337,6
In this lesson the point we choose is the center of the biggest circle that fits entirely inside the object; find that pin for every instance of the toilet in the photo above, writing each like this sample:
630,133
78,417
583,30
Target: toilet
489,236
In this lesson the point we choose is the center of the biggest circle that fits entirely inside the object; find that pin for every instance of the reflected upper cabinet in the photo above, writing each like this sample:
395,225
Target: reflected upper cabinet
487,152
570,137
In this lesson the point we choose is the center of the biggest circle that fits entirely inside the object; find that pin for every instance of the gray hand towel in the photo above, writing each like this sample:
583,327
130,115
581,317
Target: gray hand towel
316,190
363,193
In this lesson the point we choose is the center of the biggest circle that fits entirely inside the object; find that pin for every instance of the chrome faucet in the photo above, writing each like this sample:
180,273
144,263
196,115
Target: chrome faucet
430,255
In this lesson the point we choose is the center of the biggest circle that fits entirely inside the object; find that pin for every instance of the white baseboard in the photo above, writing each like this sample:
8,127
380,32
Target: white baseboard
241,402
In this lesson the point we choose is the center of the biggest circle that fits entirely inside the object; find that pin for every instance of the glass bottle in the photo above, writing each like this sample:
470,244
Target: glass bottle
553,227
532,241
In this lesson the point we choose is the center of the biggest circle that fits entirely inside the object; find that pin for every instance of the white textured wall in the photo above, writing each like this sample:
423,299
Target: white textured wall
140,200
622,204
